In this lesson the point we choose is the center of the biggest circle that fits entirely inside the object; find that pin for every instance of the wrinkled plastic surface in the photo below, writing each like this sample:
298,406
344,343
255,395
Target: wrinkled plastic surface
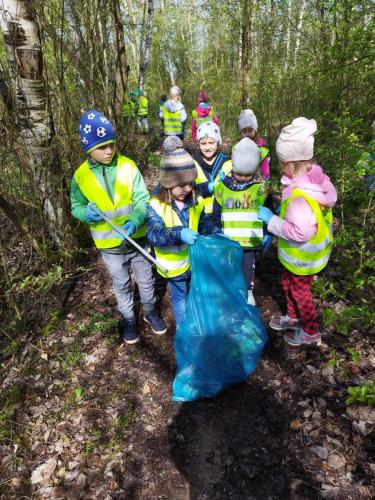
220,341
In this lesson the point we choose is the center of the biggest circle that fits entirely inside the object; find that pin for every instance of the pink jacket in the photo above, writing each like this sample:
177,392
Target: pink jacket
203,109
299,223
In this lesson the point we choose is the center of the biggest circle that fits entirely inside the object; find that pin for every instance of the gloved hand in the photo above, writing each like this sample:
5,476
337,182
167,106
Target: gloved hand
267,242
129,227
210,187
265,214
91,215
189,236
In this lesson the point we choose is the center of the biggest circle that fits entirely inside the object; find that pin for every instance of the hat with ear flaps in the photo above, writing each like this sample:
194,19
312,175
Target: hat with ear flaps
177,167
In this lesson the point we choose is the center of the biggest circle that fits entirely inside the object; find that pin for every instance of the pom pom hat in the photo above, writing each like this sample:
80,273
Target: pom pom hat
245,157
95,130
177,167
209,129
247,119
202,96
296,141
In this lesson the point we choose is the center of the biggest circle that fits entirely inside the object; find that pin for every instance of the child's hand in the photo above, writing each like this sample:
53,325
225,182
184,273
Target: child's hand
265,214
91,214
189,236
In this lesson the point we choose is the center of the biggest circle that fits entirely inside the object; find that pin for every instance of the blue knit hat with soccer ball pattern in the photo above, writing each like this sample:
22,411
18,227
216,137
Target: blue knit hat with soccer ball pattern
95,130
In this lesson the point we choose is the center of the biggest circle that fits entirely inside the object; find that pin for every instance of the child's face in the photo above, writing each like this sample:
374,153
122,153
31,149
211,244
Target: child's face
241,178
248,132
180,193
208,147
104,154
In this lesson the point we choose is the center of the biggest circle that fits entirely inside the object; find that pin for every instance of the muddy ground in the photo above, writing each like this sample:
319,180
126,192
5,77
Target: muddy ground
84,416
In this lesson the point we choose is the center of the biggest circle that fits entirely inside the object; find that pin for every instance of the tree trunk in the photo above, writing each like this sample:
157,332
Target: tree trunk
246,50
122,69
145,51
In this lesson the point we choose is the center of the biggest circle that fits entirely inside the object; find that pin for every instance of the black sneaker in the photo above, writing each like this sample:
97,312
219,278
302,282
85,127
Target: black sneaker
129,331
154,320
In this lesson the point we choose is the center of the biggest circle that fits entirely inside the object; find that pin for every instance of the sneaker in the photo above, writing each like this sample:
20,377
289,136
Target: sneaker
284,323
250,298
154,320
299,337
129,331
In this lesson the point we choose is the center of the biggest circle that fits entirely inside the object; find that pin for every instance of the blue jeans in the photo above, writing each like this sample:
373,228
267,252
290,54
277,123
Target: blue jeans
179,287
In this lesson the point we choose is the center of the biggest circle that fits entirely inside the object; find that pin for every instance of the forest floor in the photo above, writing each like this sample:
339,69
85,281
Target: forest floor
84,416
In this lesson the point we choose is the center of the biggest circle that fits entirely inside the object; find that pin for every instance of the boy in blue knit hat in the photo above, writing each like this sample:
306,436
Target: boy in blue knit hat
112,183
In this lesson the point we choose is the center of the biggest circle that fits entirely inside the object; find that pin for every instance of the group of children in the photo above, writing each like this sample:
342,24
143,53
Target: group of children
204,194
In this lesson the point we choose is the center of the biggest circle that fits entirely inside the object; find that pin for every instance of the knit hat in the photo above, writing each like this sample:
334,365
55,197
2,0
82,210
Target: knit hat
175,91
177,167
209,129
247,119
245,157
95,130
202,96
296,141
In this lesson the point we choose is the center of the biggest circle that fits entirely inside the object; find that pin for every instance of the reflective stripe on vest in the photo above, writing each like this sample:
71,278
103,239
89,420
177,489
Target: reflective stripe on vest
172,122
239,213
202,119
142,106
102,233
175,258
312,256
209,201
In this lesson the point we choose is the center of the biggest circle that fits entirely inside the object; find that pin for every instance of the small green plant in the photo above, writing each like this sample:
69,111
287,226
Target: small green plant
362,394
324,288
334,360
73,356
132,358
98,323
153,159
354,355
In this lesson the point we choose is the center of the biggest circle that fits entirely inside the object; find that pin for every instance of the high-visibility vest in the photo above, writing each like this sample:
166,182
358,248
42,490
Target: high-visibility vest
209,201
175,258
239,213
102,233
202,119
311,256
128,108
172,122
263,152
142,106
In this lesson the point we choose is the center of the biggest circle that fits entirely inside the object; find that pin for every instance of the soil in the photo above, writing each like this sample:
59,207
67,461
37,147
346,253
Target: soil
86,416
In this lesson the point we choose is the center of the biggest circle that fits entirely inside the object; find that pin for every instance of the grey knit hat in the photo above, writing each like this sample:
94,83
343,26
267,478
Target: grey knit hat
245,157
177,167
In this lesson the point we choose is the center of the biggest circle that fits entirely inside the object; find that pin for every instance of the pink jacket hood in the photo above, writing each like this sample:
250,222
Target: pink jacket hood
203,110
314,183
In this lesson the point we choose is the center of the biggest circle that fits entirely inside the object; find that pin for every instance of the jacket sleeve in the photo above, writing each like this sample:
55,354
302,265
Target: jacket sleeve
193,130
141,198
207,225
299,223
78,202
157,234
183,113
216,216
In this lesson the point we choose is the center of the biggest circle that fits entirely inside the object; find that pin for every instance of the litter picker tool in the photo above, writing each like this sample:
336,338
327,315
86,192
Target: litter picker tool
122,232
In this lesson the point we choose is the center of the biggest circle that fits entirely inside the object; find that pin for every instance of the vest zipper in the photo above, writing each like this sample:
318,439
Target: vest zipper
107,185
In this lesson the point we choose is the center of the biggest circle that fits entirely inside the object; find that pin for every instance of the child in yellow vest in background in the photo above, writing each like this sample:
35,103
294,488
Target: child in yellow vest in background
237,200
303,228
112,183
174,114
174,217
142,110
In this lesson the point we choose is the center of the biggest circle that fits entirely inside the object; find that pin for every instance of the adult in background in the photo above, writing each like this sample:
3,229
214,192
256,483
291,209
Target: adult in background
202,113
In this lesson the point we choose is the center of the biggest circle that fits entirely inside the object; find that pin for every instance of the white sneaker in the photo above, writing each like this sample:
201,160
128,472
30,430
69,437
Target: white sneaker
250,298
300,337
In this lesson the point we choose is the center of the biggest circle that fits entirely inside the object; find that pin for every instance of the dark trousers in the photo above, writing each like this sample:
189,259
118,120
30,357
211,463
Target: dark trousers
299,300
248,267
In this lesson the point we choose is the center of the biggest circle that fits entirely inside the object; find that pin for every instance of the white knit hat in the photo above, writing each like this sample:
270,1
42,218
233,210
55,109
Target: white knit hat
175,91
245,157
296,141
209,129
247,119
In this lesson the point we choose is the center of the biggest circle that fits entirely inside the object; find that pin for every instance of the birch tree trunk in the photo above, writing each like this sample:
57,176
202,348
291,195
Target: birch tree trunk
246,50
122,69
145,54
299,28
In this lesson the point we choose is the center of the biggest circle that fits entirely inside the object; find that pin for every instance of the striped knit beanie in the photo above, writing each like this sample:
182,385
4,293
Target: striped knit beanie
177,167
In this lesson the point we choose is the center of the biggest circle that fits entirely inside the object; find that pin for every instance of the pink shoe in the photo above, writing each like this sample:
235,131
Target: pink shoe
284,323
299,337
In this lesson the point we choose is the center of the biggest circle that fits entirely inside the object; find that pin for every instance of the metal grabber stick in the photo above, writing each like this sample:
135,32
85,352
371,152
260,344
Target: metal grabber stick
122,231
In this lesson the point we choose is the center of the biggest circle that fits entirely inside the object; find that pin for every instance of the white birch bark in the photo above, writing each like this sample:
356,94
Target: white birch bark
146,55
299,28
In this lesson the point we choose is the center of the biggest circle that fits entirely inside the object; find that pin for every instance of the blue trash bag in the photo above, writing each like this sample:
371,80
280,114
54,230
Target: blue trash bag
222,337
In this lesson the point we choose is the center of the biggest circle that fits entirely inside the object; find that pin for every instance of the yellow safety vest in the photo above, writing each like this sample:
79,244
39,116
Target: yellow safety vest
142,106
202,119
172,122
175,258
102,233
311,256
209,201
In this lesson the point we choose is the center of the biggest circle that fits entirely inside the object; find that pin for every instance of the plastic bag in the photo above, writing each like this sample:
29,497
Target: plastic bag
222,337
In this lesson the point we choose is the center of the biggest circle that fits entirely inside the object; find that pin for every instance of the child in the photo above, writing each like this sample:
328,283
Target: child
174,217
174,114
163,99
209,159
202,113
112,183
303,228
248,127
142,111
237,200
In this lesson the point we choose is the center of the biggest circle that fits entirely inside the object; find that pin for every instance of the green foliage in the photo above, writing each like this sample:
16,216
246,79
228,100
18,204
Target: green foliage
153,159
358,315
362,394
98,323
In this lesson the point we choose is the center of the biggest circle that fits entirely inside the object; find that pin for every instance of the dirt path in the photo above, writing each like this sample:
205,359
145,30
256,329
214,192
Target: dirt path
86,417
